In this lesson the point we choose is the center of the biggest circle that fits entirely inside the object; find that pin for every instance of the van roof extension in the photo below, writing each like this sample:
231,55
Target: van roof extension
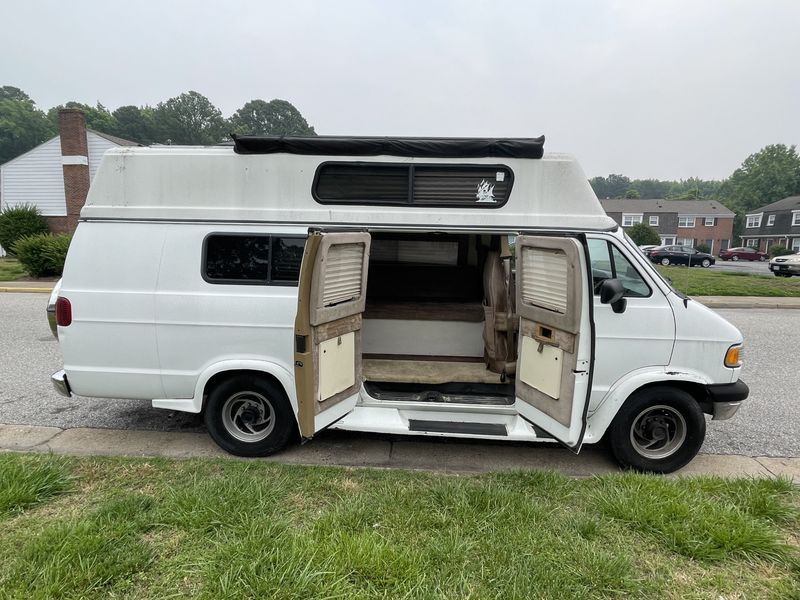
497,184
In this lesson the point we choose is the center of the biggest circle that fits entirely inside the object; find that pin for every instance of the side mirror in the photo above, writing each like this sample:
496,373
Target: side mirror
612,292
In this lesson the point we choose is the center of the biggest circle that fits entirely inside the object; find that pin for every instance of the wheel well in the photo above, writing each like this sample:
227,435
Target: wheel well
218,378
695,390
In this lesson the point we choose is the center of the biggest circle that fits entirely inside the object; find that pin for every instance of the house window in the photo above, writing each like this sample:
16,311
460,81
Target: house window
685,221
631,219
796,244
770,220
480,186
751,243
667,240
710,221
684,241
795,217
246,259
653,221
753,221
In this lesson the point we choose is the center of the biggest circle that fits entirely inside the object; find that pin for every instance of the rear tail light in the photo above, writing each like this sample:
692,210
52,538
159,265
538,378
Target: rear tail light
63,312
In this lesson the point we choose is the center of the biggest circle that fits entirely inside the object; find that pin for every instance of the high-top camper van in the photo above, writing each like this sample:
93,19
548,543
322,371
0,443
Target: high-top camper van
467,288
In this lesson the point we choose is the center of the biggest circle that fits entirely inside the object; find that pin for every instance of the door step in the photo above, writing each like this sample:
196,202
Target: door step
451,427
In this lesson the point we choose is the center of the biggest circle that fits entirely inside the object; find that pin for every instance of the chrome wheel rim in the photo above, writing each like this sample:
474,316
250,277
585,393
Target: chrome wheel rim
665,261
658,432
706,263
248,416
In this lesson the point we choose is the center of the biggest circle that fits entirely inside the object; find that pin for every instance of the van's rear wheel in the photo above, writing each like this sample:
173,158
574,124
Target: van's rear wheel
248,415
658,430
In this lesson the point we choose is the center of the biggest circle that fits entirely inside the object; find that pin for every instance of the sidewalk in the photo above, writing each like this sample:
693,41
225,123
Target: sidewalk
45,287
357,450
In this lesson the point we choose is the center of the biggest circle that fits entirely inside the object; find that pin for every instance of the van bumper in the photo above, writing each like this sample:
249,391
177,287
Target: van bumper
60,383
726,398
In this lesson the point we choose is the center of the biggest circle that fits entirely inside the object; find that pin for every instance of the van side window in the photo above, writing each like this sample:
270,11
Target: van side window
608,262
247,259
478,186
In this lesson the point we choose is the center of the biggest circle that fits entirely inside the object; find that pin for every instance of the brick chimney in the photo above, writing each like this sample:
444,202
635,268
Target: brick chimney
75,163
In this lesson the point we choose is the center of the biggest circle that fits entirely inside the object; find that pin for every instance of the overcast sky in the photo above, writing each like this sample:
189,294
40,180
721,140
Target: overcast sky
649,89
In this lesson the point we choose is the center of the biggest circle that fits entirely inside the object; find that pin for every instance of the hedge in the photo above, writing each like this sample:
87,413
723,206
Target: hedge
43,254
19,221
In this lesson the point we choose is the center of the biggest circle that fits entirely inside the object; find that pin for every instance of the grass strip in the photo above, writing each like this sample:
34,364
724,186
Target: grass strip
704,282
11,269
137,528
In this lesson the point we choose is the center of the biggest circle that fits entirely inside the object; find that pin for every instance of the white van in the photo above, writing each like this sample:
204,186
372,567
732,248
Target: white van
468,288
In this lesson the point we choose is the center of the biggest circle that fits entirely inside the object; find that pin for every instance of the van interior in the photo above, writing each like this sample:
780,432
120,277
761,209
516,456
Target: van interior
439,324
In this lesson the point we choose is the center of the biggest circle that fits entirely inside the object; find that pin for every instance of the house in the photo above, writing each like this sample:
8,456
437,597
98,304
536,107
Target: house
776,223
55,175
682,222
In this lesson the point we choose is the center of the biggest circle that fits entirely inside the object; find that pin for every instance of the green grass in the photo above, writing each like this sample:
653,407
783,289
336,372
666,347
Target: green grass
134,528
10,269
704,282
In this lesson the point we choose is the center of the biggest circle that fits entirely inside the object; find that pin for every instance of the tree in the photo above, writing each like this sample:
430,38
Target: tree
276,117
632,193
9,92
22,125
97,117
769,175
642,234
135,124
190,118
613,186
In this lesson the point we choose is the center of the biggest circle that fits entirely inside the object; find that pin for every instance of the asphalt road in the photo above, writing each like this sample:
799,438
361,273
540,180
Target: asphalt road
742,266
768,424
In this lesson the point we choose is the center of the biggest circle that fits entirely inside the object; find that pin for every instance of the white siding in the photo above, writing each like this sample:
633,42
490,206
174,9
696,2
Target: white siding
36,178
97,147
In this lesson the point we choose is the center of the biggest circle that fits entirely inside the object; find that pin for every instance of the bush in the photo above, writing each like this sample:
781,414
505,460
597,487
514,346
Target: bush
642,234
42,254
780,250
702,248
20,221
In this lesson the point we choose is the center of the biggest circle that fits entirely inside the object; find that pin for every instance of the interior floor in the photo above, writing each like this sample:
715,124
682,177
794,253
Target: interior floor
428,371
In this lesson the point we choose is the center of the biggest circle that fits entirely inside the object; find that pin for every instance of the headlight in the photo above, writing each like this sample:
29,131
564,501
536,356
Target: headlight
733,357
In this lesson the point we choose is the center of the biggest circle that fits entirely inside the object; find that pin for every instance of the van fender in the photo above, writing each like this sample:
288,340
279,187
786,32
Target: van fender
195,404
600,418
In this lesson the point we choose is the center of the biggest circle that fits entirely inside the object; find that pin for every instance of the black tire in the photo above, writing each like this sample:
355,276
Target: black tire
660,413
665,261
706,263
249,406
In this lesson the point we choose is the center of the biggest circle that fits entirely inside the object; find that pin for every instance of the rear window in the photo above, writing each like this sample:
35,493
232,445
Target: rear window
480,186
248,259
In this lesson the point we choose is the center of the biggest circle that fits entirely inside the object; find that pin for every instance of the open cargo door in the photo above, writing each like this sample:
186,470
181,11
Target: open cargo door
555,336
330,303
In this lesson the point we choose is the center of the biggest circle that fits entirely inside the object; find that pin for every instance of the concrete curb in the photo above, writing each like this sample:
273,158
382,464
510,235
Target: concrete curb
357,450
25,290
784,302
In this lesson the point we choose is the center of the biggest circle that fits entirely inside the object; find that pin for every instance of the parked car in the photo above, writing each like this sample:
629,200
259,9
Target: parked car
785,266
743,253
680,255
646,248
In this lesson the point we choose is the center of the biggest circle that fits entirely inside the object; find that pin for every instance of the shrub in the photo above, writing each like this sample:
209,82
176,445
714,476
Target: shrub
780,250
43,254
702,248
642,234
19,221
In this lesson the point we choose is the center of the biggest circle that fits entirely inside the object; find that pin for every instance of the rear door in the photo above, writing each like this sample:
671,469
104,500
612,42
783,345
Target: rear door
330,305
555,336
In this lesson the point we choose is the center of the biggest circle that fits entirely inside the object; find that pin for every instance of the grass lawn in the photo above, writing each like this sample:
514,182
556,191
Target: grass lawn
135,528
10,269
704,282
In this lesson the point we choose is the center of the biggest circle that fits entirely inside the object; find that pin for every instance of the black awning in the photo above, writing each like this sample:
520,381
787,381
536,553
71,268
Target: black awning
403,146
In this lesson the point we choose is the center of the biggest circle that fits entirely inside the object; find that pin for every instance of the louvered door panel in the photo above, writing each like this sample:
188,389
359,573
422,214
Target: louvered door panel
343,274
545,279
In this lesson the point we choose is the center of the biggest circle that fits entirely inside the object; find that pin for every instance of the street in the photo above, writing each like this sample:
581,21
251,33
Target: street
742,266
767,424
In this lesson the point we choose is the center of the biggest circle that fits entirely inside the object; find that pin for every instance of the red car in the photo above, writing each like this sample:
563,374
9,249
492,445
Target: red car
743,253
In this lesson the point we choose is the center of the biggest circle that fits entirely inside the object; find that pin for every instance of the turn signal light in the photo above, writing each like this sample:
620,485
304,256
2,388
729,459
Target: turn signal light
733,357
63,312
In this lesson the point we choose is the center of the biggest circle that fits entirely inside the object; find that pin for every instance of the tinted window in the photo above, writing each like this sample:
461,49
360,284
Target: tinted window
252,259
287,254
237,258
409,184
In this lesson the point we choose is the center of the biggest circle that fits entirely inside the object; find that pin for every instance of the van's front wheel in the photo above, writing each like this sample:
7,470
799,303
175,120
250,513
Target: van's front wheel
248,415
658,430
